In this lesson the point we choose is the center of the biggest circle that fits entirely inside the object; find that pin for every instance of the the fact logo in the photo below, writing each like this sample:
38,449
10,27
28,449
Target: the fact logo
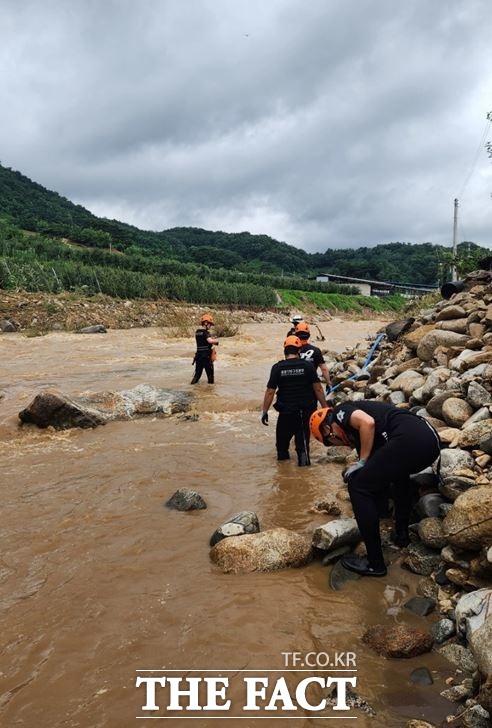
241,692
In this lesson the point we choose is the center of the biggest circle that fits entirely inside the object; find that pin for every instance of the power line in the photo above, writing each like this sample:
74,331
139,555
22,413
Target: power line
481,146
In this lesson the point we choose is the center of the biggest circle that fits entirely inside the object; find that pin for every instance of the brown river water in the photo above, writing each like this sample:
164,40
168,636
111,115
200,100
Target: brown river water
99,581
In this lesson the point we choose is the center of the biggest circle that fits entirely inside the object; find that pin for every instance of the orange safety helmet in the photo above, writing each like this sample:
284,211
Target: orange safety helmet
207,319
293,341
316,420
302,328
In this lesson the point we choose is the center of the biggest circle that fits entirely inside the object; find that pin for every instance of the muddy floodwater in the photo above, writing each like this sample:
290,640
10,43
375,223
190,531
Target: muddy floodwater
99,581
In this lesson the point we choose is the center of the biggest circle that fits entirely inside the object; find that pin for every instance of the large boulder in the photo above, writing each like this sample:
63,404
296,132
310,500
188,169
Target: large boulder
455,412
477,395
435,404
185,499
94,329
435,338
481,646
397,328
452,486
407,382
476,358
468,524
7,327
431,533
420,559
472,611
397,640
413,338
429,505
331,535
435,381
473,434
448,313
459,326
453,460
53,408
459,656
267,551
238,525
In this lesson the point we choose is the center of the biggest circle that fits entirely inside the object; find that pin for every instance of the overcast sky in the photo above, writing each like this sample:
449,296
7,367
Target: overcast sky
323,123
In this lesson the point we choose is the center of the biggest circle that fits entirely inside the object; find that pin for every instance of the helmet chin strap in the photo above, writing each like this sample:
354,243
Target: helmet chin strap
340,433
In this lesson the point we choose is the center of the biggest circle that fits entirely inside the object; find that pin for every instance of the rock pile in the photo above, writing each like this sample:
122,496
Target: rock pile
440,366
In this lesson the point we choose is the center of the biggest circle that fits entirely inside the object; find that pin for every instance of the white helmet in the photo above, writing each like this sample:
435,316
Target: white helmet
297,319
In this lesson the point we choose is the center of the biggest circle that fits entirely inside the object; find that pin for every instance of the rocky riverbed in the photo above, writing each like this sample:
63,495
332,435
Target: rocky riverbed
440,366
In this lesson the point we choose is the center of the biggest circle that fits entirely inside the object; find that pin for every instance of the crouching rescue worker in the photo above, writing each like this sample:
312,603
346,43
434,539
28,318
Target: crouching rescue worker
310,352
298,392
392,444
205,354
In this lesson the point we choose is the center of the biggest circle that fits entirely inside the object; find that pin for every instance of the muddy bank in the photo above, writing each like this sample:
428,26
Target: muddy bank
35,313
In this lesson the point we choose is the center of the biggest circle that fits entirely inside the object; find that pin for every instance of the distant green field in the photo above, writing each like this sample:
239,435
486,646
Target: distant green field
335,302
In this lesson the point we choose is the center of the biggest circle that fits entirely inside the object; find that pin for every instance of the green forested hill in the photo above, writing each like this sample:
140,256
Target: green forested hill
398,262
32,207
29,206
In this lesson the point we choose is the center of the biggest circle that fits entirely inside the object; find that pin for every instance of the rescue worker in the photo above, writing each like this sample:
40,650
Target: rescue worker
298,391
310,352
391,444
295,320
204,356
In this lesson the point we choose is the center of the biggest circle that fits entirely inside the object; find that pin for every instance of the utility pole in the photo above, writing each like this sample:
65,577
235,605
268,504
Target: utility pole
454,275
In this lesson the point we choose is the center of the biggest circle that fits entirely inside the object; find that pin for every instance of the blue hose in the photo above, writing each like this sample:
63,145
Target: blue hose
366,363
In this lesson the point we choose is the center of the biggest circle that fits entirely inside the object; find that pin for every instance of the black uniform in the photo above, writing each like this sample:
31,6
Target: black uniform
310,352
203,356
293,379
403,444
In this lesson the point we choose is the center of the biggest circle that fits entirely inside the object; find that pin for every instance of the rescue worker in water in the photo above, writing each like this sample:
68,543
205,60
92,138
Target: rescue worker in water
205,354
310,352
391,444
298,392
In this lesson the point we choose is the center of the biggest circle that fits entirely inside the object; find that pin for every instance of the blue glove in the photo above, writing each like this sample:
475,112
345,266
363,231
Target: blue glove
264,418
353,469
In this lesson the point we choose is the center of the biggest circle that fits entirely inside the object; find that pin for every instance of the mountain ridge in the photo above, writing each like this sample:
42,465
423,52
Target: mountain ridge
30,206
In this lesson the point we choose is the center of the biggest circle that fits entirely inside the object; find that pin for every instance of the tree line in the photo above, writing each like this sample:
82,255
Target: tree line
193,251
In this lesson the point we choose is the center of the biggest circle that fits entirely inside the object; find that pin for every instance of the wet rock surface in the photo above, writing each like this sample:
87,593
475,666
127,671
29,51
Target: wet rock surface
55,409
421,676
237,525
270,550
94,329
186,499
397,640
339,576
341,532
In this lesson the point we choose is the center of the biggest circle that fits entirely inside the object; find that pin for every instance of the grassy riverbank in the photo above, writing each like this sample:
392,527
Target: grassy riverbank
339,302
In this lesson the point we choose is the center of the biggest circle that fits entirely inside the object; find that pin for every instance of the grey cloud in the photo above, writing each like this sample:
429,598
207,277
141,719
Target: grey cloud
321,124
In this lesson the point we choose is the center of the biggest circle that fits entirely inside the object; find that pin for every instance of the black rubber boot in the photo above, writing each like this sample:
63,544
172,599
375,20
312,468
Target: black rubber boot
303,459
360,565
